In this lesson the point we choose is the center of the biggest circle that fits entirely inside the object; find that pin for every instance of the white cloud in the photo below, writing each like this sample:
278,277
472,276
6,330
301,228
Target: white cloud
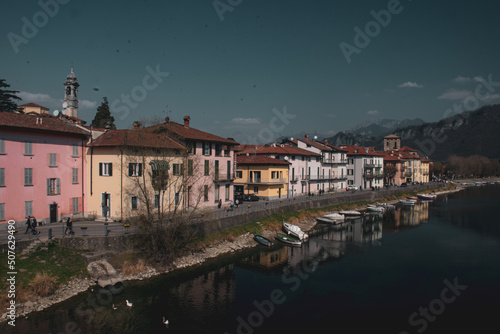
492,97
245,121
455,94
461,79
372,112
410,84
48,101
86,104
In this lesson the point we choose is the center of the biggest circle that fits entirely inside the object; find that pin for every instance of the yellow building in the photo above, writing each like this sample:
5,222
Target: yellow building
134,172
425,169
261,175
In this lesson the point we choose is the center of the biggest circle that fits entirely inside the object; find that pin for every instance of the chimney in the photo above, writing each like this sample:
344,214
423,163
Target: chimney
307,137
137,125
186,121
167,119
326,141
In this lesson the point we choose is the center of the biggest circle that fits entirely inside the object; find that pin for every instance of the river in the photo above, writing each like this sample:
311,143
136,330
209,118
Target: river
432,268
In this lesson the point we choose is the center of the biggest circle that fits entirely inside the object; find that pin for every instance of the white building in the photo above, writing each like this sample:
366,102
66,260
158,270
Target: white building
365,167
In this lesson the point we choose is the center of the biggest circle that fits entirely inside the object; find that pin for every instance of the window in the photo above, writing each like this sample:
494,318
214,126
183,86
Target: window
207,167
105,169
255,189
135,169
177,169
53,186
205,193
2,211
75,175
239,174
177,198
2,177
28,176
274,175
133,202
28,148
228,169
28,208
157,201
2,146
190,167
74,205
52,160
218,150
207,149
216,169
75,151
227,192
217,190
293,157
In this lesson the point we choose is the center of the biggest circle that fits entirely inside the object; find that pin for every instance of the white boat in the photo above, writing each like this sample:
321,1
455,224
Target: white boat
426,197
328,220
350,213
406,202
336,216
373,208
295,231
386,205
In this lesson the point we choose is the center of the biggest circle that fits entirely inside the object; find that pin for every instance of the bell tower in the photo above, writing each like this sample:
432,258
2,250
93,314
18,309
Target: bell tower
70,105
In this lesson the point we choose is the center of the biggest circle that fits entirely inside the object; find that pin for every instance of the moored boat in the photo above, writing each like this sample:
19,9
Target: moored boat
386,205
328,220
288,239
263,241
335,216
426,197
406,202
295,231
376,209
350,213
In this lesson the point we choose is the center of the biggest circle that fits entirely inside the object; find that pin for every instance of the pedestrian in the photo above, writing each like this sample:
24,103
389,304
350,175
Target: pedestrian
28,225
236,202
231,205
69,227
34,223
220,204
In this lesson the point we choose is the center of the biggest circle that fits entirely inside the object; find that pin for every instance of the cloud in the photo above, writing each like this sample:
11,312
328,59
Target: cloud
372,112
455,94
245,121
50,101
492,97
410,84
461,79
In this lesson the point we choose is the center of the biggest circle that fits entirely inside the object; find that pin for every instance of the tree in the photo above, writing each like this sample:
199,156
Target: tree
390,171
7,97
103,116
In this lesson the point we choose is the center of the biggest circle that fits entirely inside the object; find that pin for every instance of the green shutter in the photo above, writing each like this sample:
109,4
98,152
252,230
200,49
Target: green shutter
100,168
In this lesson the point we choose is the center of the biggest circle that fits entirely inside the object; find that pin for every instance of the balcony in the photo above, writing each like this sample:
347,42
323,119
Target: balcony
374,175
408,173
294,178
374,165
258,180
224,178
333,161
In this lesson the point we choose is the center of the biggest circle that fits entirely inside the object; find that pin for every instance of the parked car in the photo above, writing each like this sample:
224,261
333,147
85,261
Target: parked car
404,184
351,188
251,198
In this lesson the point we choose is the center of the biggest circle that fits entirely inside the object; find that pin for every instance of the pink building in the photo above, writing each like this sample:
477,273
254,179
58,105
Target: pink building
42,167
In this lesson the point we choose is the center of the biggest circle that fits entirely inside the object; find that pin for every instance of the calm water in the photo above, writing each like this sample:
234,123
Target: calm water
433,268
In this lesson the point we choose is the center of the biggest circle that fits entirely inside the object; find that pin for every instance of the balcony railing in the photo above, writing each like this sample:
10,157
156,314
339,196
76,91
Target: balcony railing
258,180
408,173
370,165
224,177
333,161
374,175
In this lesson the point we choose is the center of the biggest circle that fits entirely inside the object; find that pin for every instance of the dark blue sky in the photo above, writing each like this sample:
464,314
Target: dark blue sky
238,69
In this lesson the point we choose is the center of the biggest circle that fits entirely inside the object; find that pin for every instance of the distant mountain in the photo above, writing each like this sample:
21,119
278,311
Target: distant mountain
383,127
469,133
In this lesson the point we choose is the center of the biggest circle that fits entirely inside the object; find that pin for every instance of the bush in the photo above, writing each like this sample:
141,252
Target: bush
129,267
43,284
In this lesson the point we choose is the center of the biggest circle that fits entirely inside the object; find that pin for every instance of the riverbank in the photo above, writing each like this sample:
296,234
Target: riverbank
222,244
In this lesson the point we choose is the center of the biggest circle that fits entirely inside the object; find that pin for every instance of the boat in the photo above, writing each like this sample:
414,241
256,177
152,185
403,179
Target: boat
263,241
288,239
373,208
413,198
328,220
406,202
350,213
335,216
295,231
426,197
386,205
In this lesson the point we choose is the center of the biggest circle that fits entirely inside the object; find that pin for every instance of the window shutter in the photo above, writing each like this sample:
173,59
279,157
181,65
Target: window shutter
71,205
100,168
58,186
48,186
80,205
140,169
110,169
130,169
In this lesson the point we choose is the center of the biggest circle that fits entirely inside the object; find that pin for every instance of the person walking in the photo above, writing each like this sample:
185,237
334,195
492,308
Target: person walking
220,204
28,225
69,227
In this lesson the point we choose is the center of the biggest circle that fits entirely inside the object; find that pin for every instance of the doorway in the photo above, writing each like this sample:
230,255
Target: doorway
53,212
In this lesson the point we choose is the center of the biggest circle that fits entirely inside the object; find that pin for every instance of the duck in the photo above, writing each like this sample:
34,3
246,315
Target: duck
114,307
165,322
129,304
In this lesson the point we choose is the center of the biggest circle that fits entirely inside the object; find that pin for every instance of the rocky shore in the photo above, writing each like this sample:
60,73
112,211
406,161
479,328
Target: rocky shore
78,285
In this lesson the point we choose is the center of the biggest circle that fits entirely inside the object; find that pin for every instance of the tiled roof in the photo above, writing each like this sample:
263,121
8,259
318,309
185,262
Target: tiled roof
39,122
189,133
135,138
32,105
362,151
280,150
258,160
392,136
315,144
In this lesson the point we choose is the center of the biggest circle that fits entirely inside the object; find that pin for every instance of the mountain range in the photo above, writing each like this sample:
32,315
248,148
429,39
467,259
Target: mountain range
469,133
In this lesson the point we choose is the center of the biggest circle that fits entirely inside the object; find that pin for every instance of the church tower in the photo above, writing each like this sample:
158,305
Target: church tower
392,142
71,95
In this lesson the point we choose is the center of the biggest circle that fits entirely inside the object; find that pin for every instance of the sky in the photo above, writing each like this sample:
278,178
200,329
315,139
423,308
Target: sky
256,70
